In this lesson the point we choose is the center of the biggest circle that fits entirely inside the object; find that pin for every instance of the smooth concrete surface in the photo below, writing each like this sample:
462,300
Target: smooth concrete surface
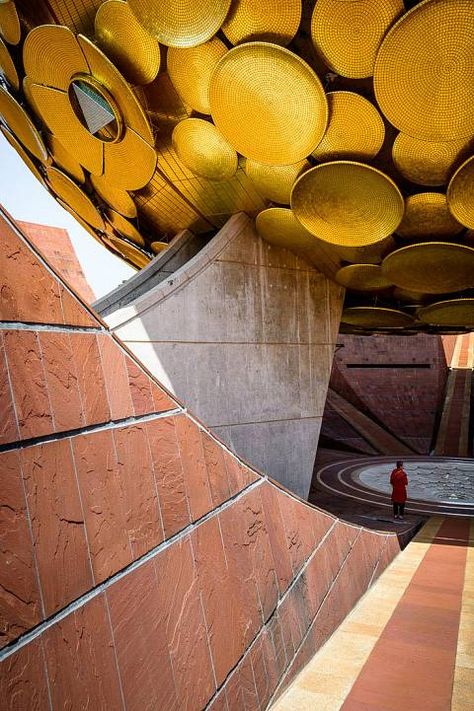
244,335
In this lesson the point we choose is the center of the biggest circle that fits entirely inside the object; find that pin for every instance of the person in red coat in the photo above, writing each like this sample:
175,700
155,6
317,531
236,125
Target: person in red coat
399,482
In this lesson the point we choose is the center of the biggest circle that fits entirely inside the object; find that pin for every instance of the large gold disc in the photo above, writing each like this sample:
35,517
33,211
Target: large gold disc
52,56
453,312
264,20
128,251
181,23
431,267
203,150
424,71
21,125
124,227
376,317
16,145
191,69
347,33
461,193
279,226
427,215
158,247
70,193
129,164
268,103
363,277
275,182
428,162
10,28
115,198
355,129
7,67
347,204
85,225
133,50
64,160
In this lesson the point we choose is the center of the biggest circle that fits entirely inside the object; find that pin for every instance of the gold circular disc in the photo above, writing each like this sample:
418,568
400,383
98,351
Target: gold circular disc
85,225
191,69
115,198
128,251
7,67
347,33
203,150
131,48
181,23
427,215
453,312
424,71
275,182
355,129
51,56
21,125
124,227
64,160
279,226
461,193
157,247
363,277
431,267
268,103
376,317
10,28
67,190
22,153
428,162
347,204
264,21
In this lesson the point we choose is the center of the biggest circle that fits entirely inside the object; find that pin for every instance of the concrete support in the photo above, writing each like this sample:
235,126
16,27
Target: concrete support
244,334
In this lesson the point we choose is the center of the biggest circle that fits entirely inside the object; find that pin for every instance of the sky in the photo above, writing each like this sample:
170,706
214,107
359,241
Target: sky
26,199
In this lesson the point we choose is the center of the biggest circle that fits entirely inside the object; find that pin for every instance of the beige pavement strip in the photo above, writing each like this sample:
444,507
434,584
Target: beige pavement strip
463,687
327,679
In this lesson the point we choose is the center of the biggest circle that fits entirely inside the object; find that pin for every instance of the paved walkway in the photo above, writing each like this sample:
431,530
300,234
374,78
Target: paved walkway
409,643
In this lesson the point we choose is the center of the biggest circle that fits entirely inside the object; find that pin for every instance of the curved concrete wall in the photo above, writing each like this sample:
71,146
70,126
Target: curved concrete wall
244,333
143,565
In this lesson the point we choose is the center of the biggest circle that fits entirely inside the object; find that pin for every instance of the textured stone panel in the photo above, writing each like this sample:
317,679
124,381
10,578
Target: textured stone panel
240,688
139,629
20,606
276,531
75,313
116,378
140,498
169,476
140,389
61,380
23,682
90,378
219,703
104,503
239,475
28,383
263,668
214,457
8,424
194,467
80,658
57,523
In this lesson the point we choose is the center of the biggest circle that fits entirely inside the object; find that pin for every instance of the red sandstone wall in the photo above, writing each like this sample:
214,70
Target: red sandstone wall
56,246
143,565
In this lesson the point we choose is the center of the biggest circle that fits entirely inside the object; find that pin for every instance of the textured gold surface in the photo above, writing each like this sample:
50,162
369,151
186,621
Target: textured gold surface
424,71
64,160
85,225
265,20
275,181
10,28
355,129
124,227
157,247
203,150
115,198
131,163
461,193
347,203
347,33
21,125
131,48
7,67
268,103
363,277
191,69
67,190
428,162
131,253
427,215
279,226
22,153
376,317
52,56
453,312
78,15
181,23
431,267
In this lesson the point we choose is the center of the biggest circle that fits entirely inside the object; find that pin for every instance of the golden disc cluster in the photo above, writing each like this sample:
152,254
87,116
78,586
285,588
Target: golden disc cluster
345,127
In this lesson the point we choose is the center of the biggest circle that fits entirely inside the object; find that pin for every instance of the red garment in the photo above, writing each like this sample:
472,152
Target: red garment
399,482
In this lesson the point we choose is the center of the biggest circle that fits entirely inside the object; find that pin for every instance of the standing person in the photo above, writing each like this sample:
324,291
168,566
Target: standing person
399,482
